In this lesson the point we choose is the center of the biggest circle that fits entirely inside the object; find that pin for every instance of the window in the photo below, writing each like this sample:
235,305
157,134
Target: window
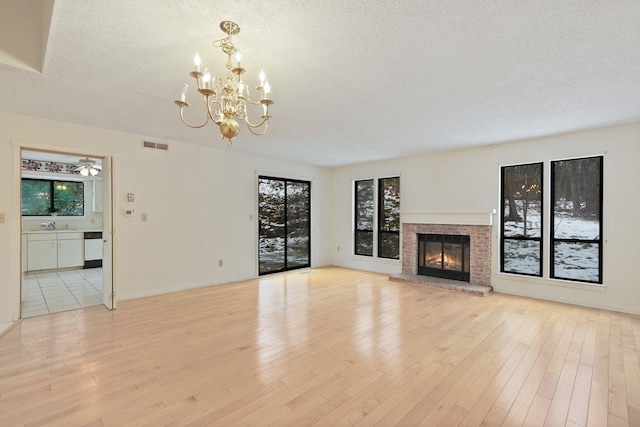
41,197
284,213
364,217
521,237
576,237
389,218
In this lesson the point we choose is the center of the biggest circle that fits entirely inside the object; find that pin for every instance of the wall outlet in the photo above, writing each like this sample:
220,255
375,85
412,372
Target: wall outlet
219,263
143,217
1,218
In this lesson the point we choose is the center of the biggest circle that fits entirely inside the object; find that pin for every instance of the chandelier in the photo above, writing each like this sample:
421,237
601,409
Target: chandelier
226,99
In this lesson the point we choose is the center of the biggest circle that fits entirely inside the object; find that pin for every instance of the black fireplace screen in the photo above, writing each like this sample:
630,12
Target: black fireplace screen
444,255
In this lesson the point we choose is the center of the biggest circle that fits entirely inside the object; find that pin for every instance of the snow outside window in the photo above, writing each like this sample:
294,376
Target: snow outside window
522,207
389,218
576,236
284,215
364,204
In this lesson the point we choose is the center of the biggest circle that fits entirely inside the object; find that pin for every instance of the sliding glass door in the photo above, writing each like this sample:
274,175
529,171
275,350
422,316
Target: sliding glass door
284,213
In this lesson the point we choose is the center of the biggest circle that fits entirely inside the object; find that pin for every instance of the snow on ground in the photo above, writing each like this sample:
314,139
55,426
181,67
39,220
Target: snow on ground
522,256
576,261
576,228
272,253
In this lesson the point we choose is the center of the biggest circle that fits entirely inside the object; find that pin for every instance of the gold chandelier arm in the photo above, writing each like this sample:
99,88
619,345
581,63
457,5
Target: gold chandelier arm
251,101
264,121
189,124
266,127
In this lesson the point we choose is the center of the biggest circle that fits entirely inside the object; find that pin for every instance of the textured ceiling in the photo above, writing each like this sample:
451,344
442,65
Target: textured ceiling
353,81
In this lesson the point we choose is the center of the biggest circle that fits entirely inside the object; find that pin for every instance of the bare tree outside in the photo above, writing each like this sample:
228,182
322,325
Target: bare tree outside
284,215
522,219
577,213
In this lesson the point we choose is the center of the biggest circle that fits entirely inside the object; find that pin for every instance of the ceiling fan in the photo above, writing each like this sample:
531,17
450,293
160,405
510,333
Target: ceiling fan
88,167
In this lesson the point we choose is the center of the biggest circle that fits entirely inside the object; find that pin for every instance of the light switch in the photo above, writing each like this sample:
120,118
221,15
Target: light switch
131,197
143,217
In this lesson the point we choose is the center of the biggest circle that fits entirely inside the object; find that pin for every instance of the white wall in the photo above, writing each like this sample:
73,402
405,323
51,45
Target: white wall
467,182
198,201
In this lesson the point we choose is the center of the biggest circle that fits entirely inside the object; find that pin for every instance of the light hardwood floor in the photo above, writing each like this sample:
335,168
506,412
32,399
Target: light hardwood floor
328,347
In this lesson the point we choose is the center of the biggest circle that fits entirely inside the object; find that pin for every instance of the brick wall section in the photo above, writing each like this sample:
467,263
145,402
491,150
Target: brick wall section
480,236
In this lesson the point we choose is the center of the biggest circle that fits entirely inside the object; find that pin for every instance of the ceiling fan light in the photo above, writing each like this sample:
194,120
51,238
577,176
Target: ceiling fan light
84,172
94,171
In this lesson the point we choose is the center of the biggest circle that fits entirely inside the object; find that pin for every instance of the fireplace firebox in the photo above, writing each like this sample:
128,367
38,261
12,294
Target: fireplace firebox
444,255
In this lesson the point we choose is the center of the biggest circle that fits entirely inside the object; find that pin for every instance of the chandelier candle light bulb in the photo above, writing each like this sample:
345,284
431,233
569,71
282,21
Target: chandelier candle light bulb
263,77
206,79
183,95
197,62
226,97
267,89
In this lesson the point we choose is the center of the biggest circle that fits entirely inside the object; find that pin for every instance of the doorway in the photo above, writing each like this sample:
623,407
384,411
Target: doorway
284,217
66,202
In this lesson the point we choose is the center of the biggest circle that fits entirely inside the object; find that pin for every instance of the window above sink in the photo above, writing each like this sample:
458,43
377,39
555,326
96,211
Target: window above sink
43,197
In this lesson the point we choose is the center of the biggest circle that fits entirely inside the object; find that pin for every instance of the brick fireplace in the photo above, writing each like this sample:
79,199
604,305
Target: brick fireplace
480,248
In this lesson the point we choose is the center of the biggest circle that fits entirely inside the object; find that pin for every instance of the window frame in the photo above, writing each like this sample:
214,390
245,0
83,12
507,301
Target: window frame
381,214
376,231
357,230
504,238
52,205
552,213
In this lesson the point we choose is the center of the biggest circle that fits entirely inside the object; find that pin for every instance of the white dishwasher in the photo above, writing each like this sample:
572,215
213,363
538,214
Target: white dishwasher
92,249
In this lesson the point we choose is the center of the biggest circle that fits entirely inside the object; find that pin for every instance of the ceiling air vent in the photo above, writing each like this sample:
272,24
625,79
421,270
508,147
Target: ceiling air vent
157,146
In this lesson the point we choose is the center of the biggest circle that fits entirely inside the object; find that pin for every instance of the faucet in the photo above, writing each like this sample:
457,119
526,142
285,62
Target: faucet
51,225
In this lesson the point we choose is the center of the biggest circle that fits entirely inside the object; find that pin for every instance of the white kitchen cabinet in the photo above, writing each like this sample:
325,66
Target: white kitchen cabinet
97,195
52,250
42,251
70,250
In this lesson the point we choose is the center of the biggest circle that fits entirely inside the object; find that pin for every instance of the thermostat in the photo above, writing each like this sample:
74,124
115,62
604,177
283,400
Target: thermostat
128,212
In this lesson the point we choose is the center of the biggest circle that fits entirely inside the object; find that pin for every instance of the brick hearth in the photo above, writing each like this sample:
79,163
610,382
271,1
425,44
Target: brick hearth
480,252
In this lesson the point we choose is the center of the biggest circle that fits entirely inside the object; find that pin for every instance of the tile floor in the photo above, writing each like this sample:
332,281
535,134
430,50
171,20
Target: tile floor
50,292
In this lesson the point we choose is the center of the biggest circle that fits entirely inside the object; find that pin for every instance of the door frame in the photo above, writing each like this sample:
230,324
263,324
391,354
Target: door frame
109,285
285,179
